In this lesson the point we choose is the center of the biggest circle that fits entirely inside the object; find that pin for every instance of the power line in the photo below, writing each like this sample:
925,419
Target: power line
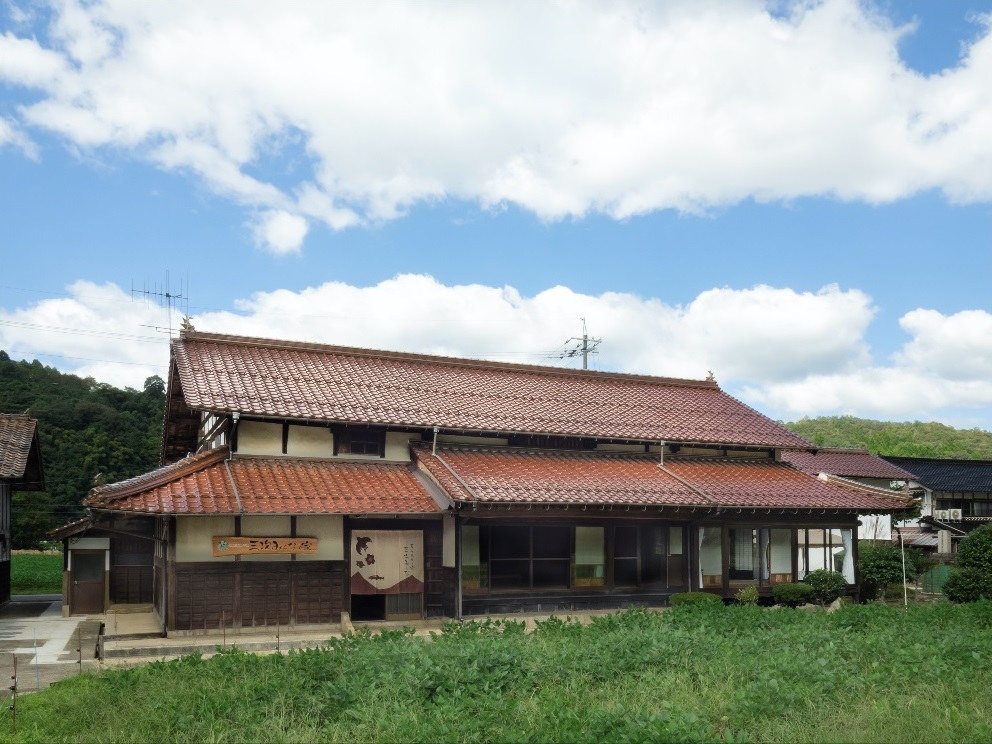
80,331
26,352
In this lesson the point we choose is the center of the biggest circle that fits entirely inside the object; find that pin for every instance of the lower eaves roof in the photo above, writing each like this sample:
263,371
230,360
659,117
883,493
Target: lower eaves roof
211,484
850,463
521,476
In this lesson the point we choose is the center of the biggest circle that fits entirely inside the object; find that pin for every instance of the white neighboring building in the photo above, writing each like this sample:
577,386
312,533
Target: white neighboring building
862,466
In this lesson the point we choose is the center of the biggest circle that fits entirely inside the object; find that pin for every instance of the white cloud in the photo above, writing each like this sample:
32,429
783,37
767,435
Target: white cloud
560,108
789,354
10,134
956,347
280,232
98,330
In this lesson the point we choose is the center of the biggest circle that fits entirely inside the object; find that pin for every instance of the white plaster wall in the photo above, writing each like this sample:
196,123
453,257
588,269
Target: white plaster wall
398,445
259,438
329,531
310,441
194,538
266,526
90,543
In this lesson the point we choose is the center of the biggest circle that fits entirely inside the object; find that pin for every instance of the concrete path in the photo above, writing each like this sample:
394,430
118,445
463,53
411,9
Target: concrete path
47,646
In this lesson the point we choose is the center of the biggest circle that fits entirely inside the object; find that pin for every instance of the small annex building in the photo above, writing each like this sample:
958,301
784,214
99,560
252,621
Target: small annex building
302,481
20,470
861,466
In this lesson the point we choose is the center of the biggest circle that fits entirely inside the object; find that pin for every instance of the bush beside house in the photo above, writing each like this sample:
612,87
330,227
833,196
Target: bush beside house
971,576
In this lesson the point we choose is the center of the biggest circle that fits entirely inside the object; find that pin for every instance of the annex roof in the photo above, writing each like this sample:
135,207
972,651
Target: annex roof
850,463
209,483
293,380
539,477
948,475
20,452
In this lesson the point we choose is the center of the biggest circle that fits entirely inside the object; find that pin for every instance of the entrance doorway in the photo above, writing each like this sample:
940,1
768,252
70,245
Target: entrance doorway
88,578
387,575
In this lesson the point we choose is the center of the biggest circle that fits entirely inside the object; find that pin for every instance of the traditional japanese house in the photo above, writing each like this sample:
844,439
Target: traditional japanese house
20,470
303,481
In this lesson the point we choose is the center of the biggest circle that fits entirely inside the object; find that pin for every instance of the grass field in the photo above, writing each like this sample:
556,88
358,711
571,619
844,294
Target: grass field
711,674
36,573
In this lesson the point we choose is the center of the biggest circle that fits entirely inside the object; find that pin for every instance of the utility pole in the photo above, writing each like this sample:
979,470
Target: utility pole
586,346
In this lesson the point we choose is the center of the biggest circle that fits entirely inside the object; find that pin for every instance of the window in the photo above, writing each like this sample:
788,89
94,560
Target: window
556,557
710,557
640,556
590,556
359,441
827,548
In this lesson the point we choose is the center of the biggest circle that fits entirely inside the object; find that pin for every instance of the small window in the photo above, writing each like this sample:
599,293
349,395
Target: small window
360,441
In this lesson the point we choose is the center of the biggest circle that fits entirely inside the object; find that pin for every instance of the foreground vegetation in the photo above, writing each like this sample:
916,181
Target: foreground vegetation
866,673
36,573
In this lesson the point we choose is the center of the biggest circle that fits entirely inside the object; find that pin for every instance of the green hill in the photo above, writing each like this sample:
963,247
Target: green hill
87,430
903,439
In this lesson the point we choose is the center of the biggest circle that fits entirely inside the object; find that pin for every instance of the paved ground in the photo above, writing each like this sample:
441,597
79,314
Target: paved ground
47,646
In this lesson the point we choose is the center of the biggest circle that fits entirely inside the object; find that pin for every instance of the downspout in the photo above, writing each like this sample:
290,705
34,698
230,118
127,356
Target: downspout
227,463
434,446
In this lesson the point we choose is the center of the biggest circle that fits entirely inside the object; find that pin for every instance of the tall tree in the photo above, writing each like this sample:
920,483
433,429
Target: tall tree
86,429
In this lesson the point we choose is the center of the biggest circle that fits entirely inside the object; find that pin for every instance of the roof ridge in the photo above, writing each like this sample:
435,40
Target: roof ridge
418,357
859,486
158,477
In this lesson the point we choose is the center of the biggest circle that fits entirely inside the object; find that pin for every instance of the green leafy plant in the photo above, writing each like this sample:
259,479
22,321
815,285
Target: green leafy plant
683,599
707,674
879,565
826,585
792,595
747,596
971,576
36,573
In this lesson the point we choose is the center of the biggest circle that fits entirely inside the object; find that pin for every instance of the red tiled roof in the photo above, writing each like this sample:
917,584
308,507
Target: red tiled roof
20,459
851,463
203,485
332,383
767,484
519,476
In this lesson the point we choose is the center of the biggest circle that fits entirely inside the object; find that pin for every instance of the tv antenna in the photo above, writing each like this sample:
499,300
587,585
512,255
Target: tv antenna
584,346
166,296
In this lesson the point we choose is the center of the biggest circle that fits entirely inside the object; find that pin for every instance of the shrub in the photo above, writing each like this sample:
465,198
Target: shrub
792,595
684,599
748,595
971,576
879,564
968,585
826,585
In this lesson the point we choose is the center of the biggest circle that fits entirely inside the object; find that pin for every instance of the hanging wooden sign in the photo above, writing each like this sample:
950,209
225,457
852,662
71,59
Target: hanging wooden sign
263,545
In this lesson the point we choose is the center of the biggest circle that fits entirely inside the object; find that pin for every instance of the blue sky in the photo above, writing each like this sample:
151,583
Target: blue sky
794,195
